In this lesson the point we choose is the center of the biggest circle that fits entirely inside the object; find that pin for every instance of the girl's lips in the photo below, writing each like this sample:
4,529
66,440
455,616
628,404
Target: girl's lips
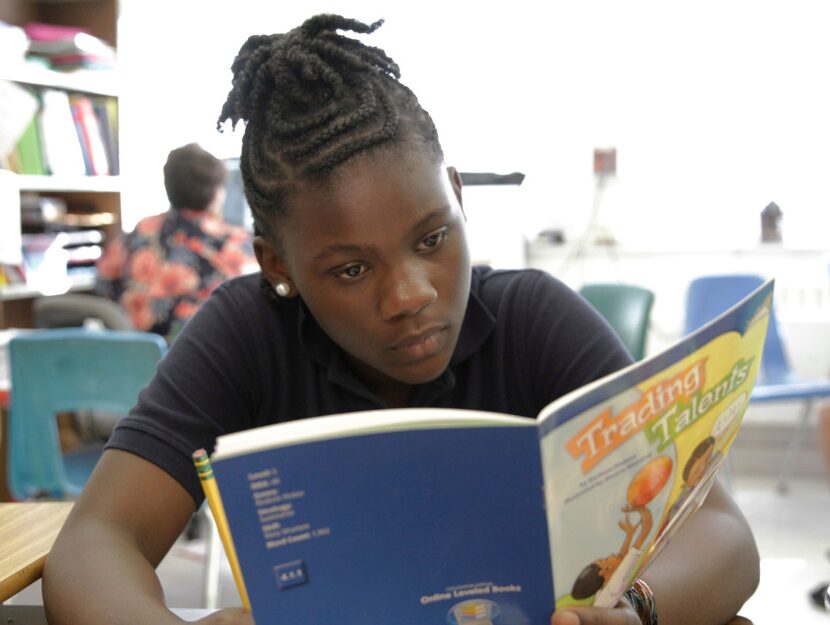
421,346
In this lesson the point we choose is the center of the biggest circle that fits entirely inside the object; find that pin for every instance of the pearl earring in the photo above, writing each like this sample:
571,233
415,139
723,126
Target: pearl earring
282,289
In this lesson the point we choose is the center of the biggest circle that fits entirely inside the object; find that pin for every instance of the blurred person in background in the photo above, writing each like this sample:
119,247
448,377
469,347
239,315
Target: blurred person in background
163,270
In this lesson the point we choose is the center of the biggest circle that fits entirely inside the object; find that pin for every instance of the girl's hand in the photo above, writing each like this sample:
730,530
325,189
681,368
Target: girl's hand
623,614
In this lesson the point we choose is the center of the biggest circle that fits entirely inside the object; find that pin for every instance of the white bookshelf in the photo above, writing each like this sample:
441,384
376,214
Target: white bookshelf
95,82
68,184
22,291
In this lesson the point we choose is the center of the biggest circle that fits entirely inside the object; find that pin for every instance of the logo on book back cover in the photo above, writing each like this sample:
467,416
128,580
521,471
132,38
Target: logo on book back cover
290,574
473,612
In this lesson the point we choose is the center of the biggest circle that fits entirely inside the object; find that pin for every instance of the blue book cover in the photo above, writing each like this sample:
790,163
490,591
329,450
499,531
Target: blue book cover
450,517
406,527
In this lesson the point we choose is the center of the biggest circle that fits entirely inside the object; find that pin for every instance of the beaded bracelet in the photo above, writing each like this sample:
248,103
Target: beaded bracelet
642,600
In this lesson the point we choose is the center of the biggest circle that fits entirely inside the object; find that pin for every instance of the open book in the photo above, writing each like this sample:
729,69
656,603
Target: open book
439,516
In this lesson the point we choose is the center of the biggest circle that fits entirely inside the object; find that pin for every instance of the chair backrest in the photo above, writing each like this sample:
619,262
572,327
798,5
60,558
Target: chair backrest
73,309
627,308
66,370
708,296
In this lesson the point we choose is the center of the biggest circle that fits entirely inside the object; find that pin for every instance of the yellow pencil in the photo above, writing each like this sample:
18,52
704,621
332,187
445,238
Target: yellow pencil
205,471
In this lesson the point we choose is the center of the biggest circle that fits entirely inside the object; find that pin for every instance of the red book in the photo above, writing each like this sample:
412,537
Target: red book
90,134
38,31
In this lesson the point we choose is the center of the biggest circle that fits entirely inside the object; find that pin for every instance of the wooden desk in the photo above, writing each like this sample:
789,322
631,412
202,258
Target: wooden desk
27,533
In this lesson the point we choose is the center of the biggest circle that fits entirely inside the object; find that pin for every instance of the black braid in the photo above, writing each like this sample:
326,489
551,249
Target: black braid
311,99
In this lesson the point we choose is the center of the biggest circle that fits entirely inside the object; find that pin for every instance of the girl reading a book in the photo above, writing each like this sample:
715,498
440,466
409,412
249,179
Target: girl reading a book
366,300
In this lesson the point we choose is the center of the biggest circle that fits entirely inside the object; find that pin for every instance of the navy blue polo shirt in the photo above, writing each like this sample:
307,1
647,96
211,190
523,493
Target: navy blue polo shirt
247,360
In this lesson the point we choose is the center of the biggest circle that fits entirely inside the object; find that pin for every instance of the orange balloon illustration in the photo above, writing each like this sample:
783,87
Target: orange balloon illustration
649,480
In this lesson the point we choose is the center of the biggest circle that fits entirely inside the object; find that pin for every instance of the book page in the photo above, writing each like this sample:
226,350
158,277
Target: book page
355,423
627,461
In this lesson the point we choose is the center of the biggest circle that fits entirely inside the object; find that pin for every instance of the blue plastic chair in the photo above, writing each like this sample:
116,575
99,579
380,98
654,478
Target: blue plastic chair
627,308
67,370
707,297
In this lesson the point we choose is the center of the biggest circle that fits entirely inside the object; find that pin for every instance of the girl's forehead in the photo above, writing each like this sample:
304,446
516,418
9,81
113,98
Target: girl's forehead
393,181
372,204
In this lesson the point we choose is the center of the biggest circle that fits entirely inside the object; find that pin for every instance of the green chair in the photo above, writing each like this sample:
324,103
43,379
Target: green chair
627,308
66,370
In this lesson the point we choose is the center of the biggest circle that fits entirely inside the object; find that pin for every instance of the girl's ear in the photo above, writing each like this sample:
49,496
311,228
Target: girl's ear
455,183
271,263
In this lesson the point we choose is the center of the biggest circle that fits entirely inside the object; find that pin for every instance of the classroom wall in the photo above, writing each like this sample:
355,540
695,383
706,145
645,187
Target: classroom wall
716,108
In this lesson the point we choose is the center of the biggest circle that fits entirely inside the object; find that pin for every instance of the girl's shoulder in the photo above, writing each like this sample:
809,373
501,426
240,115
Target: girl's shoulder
519,287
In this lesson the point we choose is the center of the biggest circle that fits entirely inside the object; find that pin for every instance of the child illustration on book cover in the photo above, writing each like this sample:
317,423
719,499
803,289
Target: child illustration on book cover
701,463
702,466
606,576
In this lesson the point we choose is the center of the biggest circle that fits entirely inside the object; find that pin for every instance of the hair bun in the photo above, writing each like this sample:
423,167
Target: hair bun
299,77
330,22
311,99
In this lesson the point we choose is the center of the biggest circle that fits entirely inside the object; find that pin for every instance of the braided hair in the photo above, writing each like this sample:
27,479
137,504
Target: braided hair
311,99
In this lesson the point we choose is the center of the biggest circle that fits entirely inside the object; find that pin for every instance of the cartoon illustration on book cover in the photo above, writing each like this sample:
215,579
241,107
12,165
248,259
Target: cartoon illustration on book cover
610,575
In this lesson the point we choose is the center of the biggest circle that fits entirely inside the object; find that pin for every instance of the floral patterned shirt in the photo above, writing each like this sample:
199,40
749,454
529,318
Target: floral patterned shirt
163,270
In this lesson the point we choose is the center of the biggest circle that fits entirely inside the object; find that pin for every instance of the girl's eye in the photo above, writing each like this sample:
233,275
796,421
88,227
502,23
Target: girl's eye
351,272
434,240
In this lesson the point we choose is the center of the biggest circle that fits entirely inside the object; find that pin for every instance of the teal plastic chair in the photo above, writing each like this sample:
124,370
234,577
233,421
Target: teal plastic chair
68,370
708,296
627,308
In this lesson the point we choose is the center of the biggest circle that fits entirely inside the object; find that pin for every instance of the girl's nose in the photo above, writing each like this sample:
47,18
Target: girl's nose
406,293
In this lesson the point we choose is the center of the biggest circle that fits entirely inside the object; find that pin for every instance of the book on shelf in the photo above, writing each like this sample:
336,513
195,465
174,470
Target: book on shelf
45,34
28,153
61,148
18,105
68,47
12,274
83,248
70,134
39,213
106,110
65,62
89,135
436,515
82,137
52,259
